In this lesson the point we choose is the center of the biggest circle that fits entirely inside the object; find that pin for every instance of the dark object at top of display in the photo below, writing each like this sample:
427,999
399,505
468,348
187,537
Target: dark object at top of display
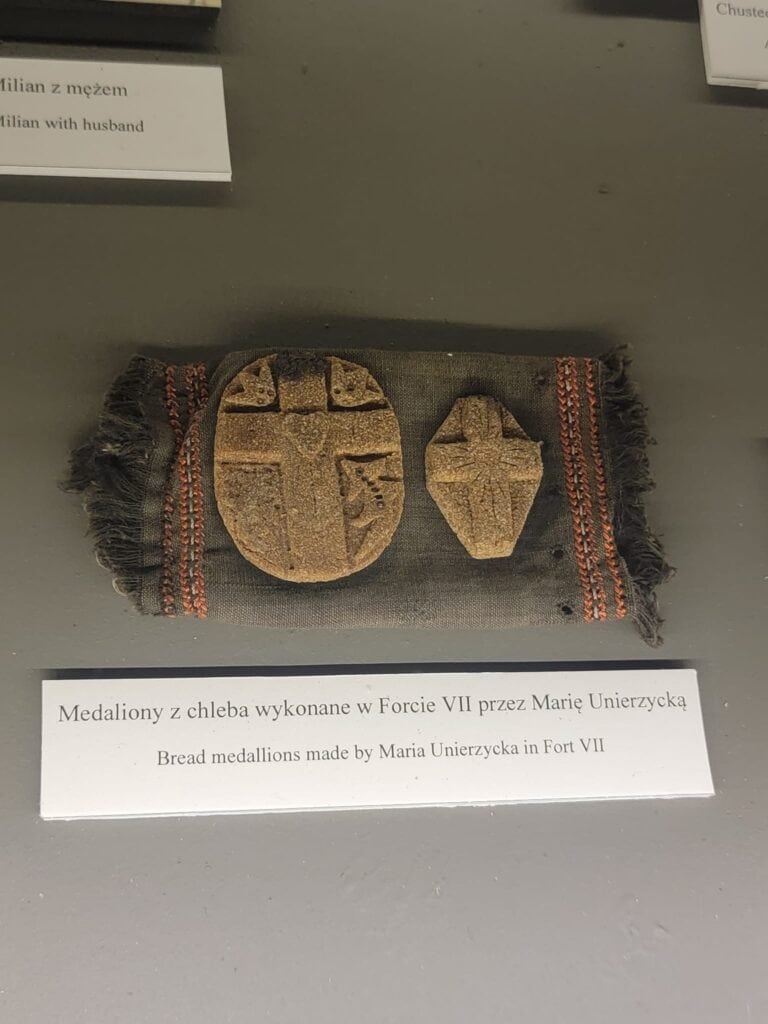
157,23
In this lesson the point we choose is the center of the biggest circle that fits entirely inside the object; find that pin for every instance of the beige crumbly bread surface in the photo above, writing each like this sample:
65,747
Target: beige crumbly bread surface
308,468
483,471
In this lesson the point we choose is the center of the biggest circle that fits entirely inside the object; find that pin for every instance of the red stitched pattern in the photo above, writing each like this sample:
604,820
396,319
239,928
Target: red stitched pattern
168,597
609,541
579,492
191,499
198,532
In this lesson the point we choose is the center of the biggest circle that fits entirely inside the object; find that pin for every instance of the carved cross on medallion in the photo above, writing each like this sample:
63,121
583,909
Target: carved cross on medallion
483,471
308,467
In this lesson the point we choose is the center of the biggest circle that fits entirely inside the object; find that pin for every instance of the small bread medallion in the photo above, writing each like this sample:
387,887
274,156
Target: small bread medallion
308,469
483,471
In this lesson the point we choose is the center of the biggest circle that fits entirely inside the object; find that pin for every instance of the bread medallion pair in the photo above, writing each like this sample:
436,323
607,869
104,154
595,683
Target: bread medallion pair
308,470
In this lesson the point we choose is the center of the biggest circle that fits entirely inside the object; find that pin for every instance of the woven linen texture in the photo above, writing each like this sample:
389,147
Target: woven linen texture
569,564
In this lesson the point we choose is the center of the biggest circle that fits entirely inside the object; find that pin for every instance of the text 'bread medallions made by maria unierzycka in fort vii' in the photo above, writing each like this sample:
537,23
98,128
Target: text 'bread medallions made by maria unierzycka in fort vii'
483,471
308,467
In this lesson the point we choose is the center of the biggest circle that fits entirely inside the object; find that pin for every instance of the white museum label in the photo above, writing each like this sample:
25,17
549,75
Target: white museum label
113,120
128,747
735,34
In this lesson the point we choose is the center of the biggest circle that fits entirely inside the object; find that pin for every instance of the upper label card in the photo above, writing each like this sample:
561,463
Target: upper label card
113,120
129,747
735,35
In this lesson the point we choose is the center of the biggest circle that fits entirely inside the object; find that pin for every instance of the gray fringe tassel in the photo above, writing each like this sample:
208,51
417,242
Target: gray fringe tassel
625,416
110,472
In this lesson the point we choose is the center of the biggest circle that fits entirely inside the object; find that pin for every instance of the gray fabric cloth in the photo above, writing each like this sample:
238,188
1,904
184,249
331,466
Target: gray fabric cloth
425,577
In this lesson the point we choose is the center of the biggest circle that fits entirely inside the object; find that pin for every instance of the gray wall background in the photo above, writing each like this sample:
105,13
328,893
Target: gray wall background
557,169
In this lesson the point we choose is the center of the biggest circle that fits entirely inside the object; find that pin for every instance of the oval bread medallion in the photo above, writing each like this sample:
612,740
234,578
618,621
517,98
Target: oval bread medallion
308,469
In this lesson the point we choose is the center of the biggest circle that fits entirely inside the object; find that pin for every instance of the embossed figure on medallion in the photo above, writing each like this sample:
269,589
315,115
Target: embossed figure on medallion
308,467
483,471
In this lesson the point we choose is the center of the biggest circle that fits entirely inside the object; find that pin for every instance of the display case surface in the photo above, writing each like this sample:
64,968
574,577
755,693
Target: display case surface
520,178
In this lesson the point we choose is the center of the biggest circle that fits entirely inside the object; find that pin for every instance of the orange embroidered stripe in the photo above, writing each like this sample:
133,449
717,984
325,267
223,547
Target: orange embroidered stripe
167,593
185,514
191,500
600,609
184,530
570,485
578,490
198,535
609,541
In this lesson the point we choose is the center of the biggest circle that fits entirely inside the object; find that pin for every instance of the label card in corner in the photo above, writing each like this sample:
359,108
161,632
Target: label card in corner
735,36
136,747
113,120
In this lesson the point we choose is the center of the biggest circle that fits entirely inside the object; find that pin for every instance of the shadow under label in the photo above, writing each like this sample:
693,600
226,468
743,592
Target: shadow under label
668,10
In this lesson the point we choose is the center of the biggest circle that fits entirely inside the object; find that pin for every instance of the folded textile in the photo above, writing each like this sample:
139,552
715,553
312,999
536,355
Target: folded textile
585,553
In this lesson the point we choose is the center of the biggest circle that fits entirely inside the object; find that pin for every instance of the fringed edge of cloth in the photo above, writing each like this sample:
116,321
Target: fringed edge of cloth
110,471
628,435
